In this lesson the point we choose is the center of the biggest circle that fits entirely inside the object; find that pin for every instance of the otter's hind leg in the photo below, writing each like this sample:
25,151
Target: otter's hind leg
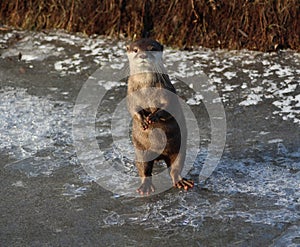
145,173
176,163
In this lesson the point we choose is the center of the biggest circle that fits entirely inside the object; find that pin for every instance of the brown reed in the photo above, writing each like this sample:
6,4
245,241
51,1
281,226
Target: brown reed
264,25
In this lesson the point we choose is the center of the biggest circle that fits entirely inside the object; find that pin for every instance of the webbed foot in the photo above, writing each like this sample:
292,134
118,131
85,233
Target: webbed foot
184,183
146,188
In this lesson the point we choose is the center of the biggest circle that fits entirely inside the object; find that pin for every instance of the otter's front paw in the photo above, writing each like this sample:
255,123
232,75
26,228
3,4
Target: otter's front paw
152,118
144,123
185,183
146,188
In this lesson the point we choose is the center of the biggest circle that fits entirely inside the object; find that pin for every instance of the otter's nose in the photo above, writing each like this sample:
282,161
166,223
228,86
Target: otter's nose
143,55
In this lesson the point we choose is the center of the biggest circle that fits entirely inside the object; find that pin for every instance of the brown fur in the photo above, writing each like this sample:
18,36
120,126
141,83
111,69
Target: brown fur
151,100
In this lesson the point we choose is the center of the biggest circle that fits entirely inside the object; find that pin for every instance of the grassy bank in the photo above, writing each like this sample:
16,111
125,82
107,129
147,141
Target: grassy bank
254,24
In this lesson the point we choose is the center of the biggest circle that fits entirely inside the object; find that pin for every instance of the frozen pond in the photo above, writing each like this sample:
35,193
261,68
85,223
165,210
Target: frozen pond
252,198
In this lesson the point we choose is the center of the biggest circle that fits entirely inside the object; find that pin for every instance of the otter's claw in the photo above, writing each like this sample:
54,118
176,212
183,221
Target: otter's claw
185,183
144,125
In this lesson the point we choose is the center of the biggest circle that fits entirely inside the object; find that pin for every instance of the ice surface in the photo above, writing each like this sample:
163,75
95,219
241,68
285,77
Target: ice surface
30,47
36,132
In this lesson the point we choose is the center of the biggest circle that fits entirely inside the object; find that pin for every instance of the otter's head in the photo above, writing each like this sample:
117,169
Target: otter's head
145,55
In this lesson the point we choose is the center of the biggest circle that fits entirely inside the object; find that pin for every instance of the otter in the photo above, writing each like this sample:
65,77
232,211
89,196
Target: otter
158,124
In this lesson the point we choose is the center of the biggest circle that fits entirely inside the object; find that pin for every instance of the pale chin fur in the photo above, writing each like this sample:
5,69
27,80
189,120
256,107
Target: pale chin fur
145,78
139,65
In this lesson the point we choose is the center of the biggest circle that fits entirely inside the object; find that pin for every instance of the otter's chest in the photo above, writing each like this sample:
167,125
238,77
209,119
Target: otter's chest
149,97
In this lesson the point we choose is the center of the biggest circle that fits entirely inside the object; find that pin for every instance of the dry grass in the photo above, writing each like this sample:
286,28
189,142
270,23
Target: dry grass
254,24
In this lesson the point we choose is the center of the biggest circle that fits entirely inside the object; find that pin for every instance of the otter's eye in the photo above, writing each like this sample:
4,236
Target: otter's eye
135,50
